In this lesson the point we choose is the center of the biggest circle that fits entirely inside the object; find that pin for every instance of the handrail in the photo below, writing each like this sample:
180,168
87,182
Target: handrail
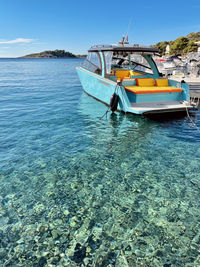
116,45
106,45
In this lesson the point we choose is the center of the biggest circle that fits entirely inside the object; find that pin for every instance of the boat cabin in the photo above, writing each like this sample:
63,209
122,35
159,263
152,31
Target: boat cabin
132,65
121,62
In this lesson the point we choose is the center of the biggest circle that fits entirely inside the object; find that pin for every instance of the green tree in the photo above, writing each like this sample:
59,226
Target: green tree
179,46
191,47
194,36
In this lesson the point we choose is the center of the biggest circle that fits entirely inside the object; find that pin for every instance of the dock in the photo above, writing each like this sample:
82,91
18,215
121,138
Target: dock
194,85
195,91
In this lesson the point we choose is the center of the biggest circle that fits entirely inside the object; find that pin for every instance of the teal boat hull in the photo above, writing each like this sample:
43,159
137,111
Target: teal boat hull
102,89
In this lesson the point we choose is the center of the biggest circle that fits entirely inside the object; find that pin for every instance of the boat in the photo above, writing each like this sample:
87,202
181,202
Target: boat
125,77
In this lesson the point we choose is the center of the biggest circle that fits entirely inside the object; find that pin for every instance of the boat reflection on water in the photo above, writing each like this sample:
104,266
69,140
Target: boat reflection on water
96,110
134,128
120,123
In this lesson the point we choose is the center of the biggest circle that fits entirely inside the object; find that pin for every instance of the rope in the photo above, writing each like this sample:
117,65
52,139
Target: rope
105,114
188,115
118,85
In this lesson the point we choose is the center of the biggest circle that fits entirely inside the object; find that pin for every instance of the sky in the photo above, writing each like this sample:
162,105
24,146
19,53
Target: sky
31,26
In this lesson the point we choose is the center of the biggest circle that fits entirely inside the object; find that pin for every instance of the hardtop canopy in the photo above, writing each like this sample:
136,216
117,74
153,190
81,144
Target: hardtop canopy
121,48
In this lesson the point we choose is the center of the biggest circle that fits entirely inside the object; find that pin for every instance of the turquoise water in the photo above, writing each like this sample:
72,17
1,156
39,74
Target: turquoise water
80,191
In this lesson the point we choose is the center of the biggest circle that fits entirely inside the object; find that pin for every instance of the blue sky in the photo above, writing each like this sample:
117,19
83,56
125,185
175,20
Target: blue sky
29,26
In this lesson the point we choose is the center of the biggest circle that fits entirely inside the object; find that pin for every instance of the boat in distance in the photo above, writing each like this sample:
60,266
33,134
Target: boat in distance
127,77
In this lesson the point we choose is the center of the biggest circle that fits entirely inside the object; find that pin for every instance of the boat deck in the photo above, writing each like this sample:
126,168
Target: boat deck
167,106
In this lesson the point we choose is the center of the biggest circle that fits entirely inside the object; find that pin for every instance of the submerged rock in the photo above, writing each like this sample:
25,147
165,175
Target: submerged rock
79,253
42,262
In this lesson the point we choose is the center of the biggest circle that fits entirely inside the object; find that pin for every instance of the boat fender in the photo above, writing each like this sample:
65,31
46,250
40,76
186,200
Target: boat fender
114,100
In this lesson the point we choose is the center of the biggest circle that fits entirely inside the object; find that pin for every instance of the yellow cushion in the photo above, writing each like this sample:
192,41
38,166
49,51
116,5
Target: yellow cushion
134,73
145,82
122,73
161,82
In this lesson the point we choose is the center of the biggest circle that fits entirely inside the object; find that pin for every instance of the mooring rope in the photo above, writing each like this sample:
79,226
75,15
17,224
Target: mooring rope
188,115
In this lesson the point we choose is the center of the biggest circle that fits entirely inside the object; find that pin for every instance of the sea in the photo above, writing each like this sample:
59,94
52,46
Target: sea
77,189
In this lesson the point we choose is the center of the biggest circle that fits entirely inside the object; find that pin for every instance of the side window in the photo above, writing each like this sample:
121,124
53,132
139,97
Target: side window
93,63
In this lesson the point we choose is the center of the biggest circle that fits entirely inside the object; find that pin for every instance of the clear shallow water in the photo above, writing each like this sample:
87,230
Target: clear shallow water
80,191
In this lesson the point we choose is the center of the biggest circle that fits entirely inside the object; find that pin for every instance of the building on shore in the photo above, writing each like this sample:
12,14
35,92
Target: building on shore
167,50
198,46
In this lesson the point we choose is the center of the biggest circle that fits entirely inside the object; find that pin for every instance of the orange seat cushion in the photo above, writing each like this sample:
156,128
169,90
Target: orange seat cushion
152,89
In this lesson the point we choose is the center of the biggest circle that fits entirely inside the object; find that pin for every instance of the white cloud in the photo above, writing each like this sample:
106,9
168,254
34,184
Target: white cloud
17,41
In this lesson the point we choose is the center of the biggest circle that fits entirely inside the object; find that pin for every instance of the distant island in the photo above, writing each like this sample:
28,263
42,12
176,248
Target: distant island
53,54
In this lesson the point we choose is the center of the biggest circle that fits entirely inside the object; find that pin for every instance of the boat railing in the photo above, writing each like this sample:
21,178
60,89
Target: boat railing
105,46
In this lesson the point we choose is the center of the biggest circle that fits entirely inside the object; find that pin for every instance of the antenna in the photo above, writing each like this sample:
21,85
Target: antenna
129,24
124,40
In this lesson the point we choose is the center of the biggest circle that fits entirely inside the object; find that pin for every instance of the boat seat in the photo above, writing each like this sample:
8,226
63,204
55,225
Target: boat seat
161,82
152,89
125,74
145,82
150,82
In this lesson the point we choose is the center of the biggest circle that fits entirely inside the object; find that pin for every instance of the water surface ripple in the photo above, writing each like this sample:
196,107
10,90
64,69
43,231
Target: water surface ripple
80,191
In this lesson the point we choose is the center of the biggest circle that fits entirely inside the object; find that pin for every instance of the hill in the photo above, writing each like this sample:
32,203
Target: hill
180,46
51,54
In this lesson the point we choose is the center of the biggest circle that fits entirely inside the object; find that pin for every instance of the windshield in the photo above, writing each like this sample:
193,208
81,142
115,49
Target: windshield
132,62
